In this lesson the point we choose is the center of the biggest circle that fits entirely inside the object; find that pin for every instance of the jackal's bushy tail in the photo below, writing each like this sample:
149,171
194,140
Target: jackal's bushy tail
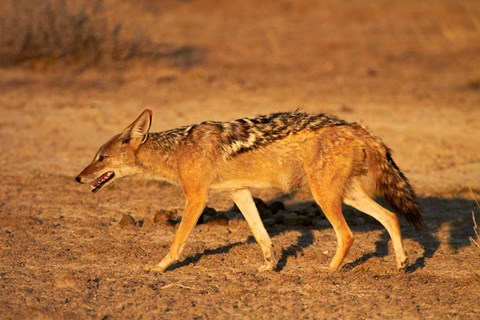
394,186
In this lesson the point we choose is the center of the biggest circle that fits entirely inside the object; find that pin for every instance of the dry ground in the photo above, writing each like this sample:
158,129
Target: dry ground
408,70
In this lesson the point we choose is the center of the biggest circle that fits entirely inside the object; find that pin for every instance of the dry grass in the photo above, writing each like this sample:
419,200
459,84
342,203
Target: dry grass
475,240
476,229
63,31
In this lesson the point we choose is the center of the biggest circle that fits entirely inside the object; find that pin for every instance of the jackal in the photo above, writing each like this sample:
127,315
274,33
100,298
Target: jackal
338,160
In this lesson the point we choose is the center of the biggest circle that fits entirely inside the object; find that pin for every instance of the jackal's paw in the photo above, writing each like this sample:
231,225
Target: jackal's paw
265,267
402,264
157,269
327,269
269,265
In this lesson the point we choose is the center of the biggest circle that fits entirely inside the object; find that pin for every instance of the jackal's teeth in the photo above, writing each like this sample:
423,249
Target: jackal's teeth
104,178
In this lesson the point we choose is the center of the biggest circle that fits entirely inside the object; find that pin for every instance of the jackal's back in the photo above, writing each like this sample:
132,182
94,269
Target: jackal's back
247,134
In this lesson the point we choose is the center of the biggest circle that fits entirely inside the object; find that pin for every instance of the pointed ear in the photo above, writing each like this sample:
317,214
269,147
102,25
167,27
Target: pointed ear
138,130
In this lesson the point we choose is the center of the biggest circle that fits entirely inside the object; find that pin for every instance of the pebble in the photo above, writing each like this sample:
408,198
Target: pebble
321,223
291,219
220,220
262,208
276,206
358,221
279,216
260,204
312,212
239,216
269,222
209,211
168,217
126,221
237,221
304,220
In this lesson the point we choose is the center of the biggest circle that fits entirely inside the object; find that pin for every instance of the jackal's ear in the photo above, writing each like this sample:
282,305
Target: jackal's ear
138,130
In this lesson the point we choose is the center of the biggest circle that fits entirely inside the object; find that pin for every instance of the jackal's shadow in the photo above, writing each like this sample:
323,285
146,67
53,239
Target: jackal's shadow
436,212
304,240
208,252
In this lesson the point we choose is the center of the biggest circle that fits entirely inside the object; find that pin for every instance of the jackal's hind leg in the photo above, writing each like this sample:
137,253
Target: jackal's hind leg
360,200
332,208
244,201
326,189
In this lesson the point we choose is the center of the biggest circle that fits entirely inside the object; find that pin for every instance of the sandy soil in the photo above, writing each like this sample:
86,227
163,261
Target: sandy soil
408,70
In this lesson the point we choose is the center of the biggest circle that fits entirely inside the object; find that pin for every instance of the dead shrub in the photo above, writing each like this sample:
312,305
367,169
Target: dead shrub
65,31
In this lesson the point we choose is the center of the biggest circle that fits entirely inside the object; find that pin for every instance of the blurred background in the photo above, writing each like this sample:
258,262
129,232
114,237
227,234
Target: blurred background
75,73
409,51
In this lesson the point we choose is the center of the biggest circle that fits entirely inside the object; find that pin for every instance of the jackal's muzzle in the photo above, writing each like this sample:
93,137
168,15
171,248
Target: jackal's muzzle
98,183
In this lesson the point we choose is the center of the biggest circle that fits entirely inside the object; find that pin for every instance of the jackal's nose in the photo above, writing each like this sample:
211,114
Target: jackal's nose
78,179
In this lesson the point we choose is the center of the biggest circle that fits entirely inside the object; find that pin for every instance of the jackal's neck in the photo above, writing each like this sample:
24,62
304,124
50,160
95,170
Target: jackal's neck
167,140
155,159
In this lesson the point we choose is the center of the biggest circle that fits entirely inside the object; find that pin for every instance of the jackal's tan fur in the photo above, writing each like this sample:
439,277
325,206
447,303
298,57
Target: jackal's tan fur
336,159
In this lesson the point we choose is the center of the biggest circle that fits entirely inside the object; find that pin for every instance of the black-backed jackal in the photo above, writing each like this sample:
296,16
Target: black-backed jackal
338,160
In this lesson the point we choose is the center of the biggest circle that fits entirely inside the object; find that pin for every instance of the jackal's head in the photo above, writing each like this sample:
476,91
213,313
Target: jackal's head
116,158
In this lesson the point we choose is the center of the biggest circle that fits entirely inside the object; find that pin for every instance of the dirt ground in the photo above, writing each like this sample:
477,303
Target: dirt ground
408,70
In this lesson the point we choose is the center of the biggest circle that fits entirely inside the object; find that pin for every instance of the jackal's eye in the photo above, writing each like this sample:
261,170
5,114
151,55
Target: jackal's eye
101,158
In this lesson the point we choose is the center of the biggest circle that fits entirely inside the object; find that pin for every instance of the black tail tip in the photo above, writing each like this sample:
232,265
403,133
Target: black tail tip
414,217
418,225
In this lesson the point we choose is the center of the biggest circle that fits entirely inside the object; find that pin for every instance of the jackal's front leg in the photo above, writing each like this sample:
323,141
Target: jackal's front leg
193,210
244,201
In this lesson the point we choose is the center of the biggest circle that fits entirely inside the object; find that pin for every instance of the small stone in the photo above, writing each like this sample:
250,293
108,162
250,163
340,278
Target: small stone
204,219
262,208
207,215
260,204
174,221
239,216
321,223
234,208
304,220
276,206
126,221
319,211
312,212
169,217
358,221
265,214
237,221
209,211
280,216
269,222
291,219
230,215
219,220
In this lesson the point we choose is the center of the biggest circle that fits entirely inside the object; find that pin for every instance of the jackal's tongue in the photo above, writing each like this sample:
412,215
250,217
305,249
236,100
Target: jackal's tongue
101,181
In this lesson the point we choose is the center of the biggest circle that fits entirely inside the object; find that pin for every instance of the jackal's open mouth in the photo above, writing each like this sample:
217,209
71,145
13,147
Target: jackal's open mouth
104,178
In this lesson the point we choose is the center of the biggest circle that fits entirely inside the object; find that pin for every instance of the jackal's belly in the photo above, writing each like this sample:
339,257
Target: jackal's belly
283,183
233,184
284,176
